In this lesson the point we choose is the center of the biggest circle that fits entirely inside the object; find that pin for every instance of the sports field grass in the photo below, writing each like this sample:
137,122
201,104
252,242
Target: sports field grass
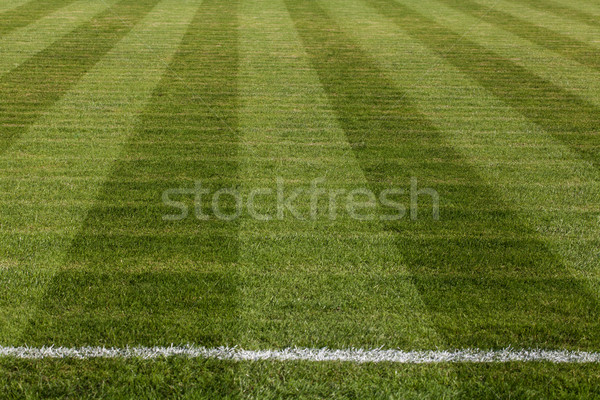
115,113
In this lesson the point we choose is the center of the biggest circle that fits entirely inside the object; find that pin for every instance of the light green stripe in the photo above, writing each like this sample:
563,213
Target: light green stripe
546,64
297,272
23,43
79,137
546,182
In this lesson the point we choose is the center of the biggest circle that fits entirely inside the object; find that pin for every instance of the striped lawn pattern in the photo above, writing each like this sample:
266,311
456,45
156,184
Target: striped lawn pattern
105,105
198,112
29,40
24,14
78,131
563,10
582,32
327,259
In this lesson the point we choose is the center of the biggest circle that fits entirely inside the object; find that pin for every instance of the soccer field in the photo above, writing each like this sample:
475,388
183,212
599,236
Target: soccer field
299,198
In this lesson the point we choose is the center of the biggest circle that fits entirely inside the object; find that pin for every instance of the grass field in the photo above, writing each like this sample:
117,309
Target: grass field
109,108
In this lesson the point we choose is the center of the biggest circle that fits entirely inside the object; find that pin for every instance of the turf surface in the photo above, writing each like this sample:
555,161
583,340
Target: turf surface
105,105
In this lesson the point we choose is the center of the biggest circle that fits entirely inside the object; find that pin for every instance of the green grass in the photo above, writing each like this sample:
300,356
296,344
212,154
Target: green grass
448,270
25,42
563,10
26,13
176,378
496,111
570,48
41,80
172,141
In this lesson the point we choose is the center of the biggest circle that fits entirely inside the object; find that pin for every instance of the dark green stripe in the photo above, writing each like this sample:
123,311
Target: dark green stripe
467,280
570,48
117,298
560,113
31,88
28,13
115,308
562,11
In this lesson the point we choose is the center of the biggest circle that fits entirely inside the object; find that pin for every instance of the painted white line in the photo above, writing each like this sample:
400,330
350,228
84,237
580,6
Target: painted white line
305,354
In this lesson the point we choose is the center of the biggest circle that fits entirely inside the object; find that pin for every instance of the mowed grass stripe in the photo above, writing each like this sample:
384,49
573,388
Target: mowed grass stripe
131,277
52,175
27,13
546,183
557,111
481,291
566,46
563,10
336,283
25,42
30,89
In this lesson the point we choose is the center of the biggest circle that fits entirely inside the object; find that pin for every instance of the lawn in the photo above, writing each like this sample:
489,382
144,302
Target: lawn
375,174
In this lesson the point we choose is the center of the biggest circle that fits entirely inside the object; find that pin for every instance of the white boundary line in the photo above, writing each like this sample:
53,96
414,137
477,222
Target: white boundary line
307,354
